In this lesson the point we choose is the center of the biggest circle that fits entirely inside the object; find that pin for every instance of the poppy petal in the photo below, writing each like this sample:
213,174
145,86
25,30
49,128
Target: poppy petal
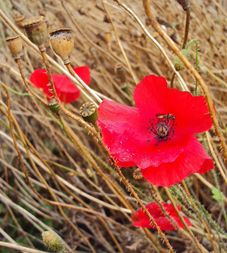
194,159
66,90
39,78
191,113
84,73
150,96
140,219
116,121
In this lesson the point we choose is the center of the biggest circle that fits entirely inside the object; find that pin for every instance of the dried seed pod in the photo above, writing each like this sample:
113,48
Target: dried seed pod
52,241
36,29
89,112
62,42
18,20
15,45
137,174
185,4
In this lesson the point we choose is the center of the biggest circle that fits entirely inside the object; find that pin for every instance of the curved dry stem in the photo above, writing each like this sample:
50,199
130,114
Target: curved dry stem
17,247
38,173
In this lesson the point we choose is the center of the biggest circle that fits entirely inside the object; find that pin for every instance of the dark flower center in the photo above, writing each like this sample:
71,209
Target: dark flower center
162,126
162,130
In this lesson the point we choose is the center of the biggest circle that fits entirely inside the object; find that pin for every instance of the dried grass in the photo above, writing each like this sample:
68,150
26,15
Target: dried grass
91,210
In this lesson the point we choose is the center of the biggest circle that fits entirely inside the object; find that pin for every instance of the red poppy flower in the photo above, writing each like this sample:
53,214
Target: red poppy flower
158,134
140,219
65,89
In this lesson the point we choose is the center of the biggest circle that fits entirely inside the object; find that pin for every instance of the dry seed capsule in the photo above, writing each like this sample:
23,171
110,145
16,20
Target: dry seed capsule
18,20
185,4
62,43
36,29
89,112
15,45
137,174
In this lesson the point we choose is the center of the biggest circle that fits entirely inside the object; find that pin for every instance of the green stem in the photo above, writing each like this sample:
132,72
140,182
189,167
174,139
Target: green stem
221,201
196,60
18,93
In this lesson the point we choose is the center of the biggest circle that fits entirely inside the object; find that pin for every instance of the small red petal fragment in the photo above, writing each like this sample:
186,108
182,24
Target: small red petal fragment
194,159
84,73
140,219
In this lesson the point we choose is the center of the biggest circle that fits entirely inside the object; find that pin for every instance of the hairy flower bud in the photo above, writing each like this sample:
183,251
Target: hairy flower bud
62,42
53,105
52,241
178,64
15,45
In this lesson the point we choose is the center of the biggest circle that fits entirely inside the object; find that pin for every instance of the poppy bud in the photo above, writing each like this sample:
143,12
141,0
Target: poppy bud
89,112
62,42
125,88
18,20
15,45
52,241
178,64
53,105
36,30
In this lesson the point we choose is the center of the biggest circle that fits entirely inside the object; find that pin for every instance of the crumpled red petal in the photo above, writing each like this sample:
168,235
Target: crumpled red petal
65,89
191,112
150,96
40,79
116,121
132,138
140,219
194,159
